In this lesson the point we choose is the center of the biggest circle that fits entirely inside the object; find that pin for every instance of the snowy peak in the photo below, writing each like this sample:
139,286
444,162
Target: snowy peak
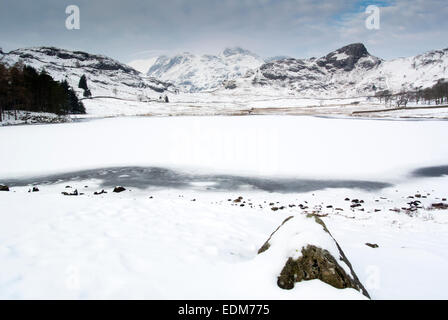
347,57
354,50
194,73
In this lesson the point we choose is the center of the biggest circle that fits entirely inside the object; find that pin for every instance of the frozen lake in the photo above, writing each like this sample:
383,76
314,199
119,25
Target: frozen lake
271,147
143,178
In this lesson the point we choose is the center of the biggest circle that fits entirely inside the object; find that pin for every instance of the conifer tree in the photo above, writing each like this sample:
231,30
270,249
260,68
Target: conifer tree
83,83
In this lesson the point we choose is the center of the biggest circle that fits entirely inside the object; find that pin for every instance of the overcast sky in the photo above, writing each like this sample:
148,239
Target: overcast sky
138,29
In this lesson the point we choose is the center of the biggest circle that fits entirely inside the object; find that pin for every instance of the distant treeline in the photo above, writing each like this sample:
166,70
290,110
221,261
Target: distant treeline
437,94
23,88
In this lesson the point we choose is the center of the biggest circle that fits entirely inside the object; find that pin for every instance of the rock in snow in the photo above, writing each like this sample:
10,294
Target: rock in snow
74,193
310,252
119,189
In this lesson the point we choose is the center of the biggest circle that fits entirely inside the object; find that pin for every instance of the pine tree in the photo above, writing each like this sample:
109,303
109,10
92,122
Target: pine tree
22,88
83,83
87,93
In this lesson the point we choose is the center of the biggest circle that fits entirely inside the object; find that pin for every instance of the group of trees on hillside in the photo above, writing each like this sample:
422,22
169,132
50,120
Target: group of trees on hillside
23,88
437,94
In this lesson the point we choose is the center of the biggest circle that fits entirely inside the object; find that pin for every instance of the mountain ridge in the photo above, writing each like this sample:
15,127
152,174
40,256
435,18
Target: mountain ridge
349,71
106,76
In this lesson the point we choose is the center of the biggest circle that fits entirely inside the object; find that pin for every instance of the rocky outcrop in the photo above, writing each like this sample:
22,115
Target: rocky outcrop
4,188
330,73
323,260
347,57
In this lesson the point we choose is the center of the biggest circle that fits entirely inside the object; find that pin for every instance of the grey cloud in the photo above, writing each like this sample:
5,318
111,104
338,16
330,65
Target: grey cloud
122,29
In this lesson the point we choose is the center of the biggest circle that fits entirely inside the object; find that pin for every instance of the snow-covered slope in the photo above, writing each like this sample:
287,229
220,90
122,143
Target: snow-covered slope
193,73
105,76
348,71
416,72
142,65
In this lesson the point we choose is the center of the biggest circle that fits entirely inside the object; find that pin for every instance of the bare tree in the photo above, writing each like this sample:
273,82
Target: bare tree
402,100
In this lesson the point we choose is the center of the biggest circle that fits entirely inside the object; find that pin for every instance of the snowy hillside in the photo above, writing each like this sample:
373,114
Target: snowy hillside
105,76
348,71
421,71
142,65
193,73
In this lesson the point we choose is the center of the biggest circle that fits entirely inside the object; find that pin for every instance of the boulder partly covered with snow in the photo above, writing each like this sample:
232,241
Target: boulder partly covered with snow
310,252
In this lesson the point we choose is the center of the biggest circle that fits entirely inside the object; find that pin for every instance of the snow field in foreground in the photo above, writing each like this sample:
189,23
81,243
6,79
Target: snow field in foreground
129,245
118,246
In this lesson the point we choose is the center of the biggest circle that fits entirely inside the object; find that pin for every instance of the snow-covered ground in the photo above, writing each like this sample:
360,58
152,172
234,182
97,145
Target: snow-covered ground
264,102
236,102
427,112
174,233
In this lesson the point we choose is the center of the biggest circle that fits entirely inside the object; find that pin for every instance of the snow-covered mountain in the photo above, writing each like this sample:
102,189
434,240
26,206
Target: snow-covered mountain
105,76
193,73
348,71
